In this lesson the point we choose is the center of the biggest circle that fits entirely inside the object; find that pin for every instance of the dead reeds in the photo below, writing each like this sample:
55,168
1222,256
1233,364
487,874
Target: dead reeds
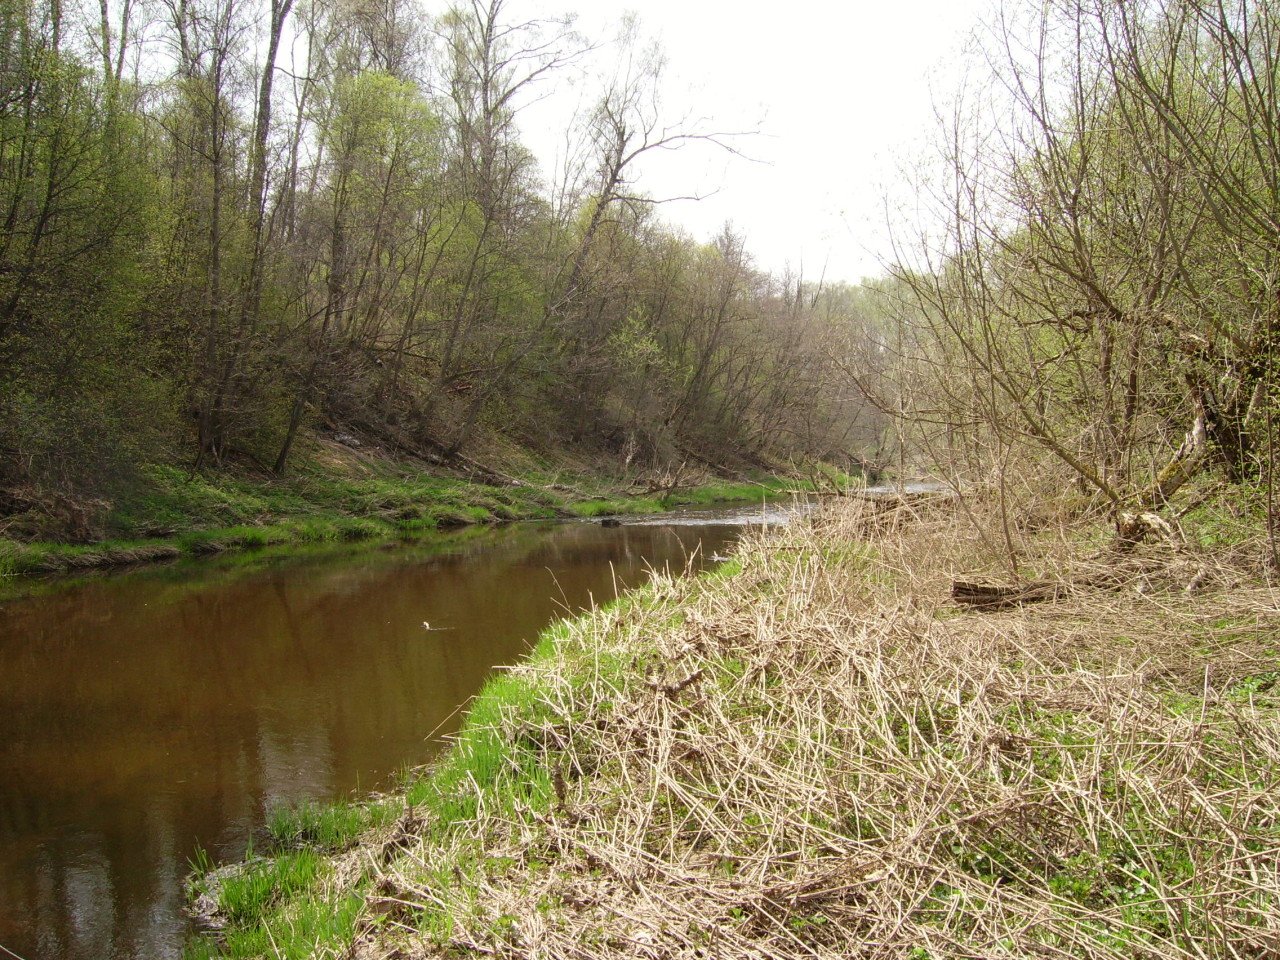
823,756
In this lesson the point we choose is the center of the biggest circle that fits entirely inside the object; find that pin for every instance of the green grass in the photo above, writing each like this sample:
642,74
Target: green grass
247,895
275,905
172,513
314,500
610,506
324,826
766,488
1224,516
312,927
42,557
290,920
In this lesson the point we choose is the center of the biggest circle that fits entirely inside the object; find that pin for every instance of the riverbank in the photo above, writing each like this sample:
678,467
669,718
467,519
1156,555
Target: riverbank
339,494
814,751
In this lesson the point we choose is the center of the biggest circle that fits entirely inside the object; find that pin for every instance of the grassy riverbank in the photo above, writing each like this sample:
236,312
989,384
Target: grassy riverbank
814,752
339,495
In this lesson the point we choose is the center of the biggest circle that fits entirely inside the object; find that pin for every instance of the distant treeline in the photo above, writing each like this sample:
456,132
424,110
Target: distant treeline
228,221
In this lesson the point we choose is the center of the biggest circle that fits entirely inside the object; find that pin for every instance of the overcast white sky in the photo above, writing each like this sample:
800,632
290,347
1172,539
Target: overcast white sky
842,95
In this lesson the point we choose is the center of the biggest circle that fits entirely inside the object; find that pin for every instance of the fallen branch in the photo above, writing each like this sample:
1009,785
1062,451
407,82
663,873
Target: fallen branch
985,596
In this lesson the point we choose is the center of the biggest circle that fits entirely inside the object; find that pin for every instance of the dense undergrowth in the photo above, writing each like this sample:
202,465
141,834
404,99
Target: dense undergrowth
813,752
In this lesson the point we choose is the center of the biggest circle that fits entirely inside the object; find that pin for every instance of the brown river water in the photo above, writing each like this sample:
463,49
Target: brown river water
145,713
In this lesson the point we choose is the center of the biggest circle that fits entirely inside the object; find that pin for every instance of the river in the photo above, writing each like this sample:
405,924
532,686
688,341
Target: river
145,713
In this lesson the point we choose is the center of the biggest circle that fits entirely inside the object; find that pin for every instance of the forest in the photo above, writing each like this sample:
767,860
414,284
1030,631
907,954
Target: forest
228,223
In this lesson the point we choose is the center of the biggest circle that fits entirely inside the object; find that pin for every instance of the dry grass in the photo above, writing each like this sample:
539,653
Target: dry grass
821,757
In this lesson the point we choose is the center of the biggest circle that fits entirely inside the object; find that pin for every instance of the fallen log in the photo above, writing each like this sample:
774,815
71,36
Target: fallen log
986,596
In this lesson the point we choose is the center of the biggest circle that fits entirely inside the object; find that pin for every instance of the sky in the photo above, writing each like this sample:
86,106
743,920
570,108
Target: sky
841,97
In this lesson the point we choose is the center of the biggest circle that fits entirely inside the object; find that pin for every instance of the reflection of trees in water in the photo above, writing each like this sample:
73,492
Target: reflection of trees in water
99,894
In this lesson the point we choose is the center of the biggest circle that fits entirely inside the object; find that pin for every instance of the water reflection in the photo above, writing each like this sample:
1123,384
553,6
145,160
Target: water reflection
141,714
